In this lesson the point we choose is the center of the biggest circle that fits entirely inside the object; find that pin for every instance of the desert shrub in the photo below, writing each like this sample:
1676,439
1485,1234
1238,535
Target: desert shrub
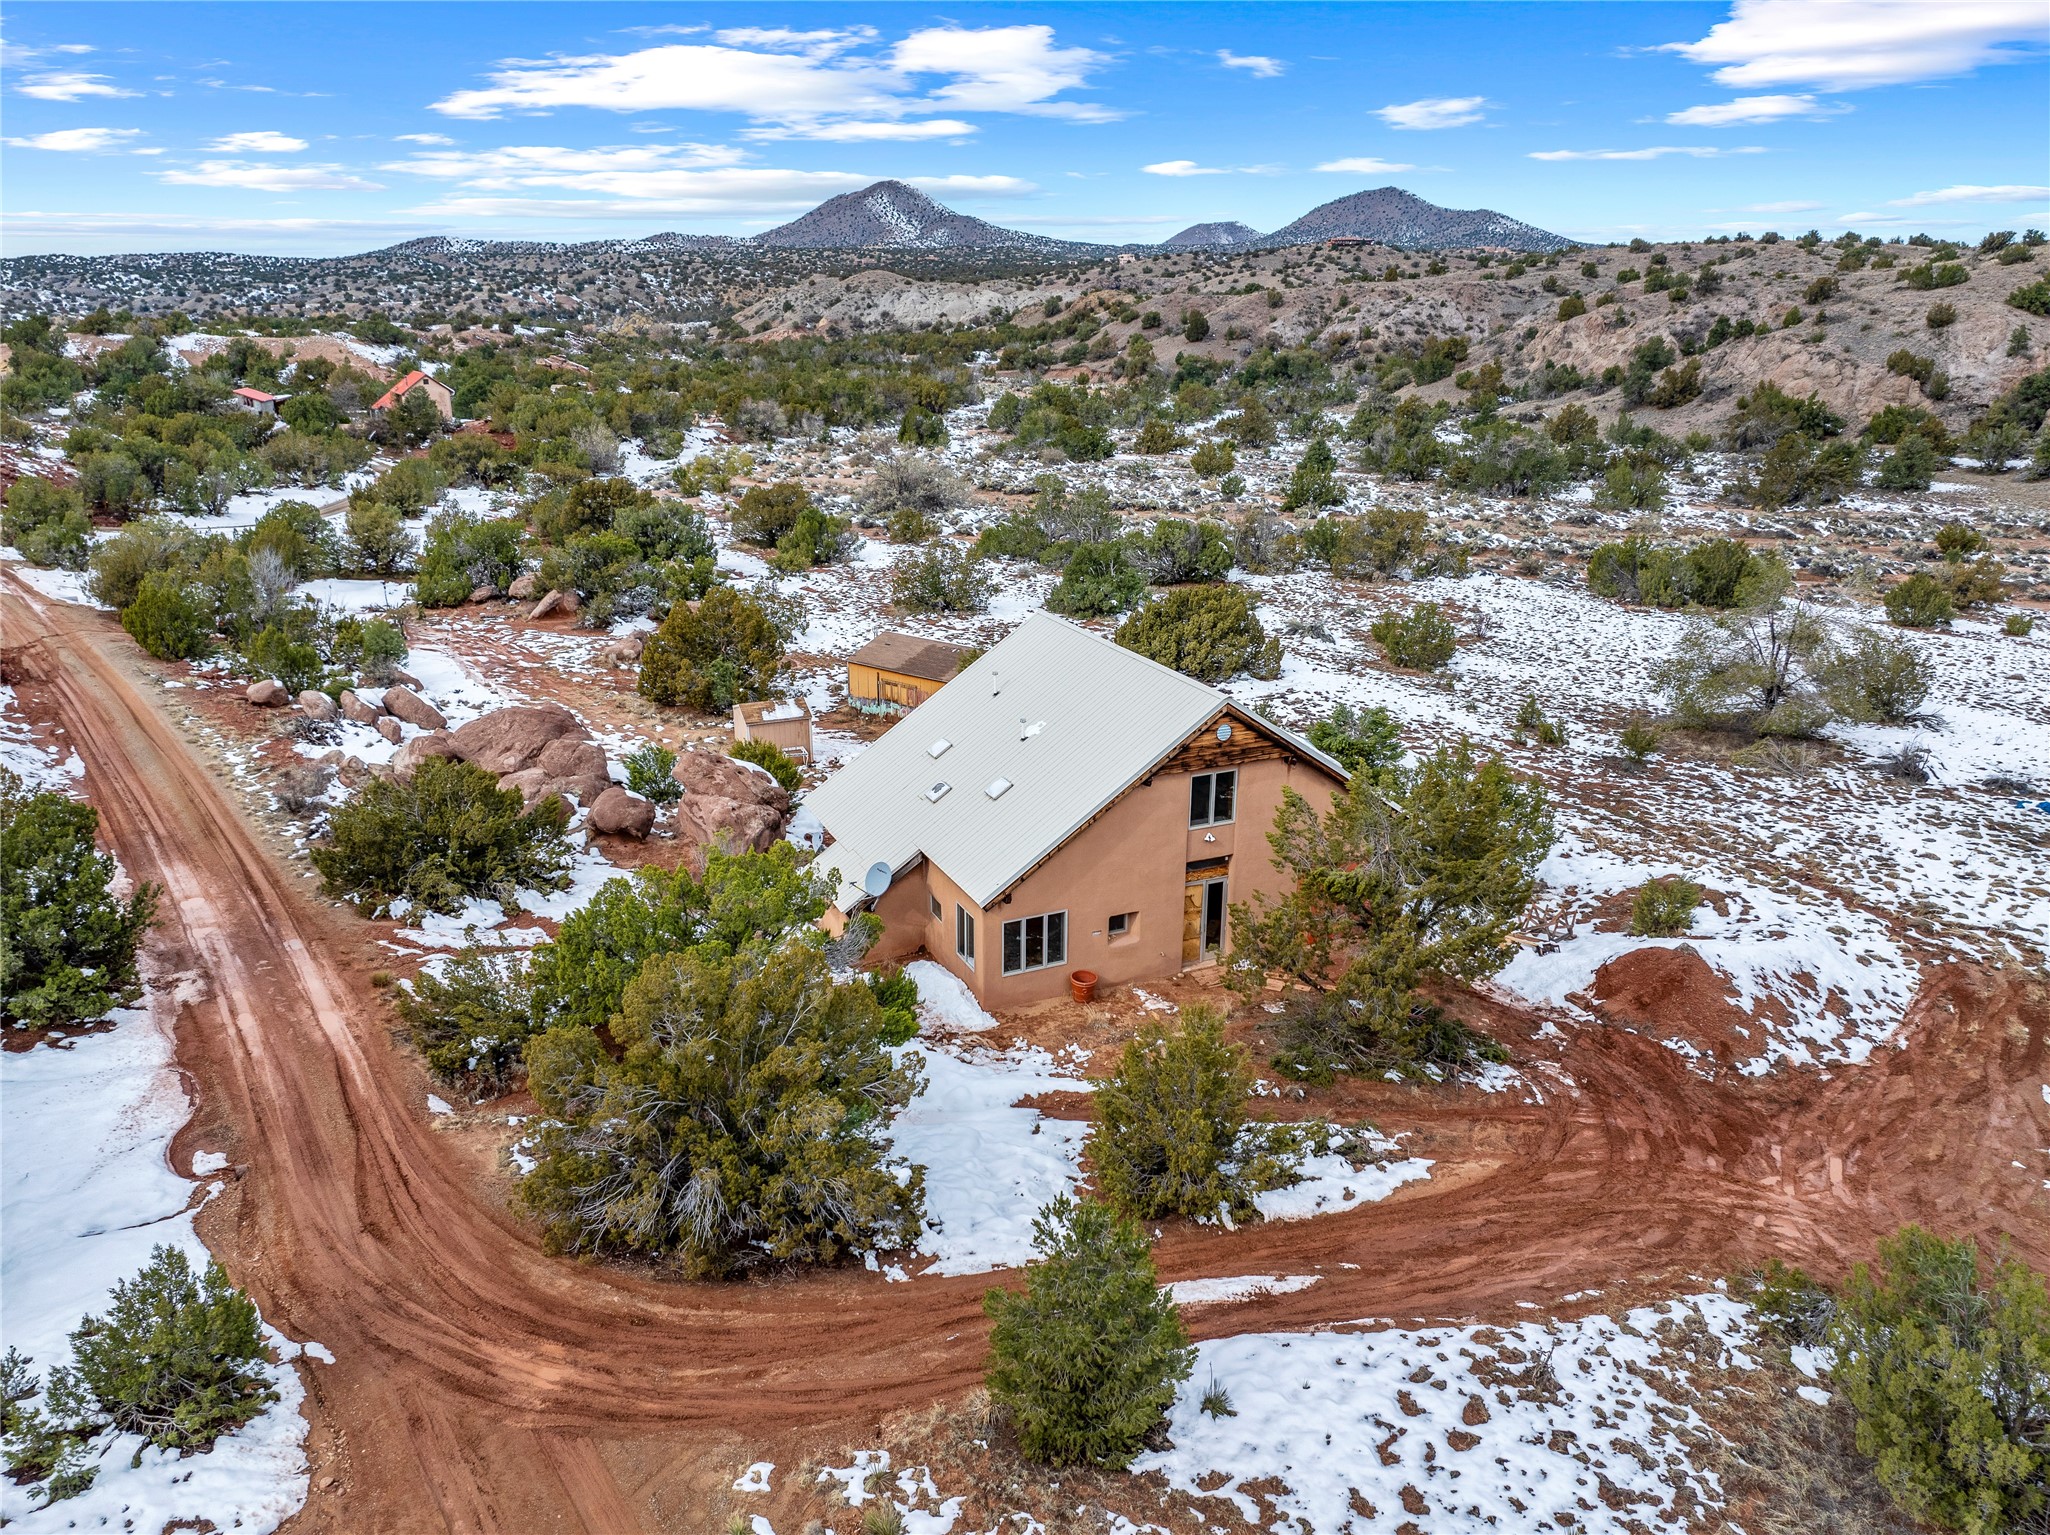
765,513
912,482
2032,298
944,579
374,540
726,650
1676,386
177,1359
1366,741
607,573
1422,639
1533,724
1572,306
815,539
1175,553
1768,413
1195,325
1798,471
1956,541
462,553
771,759
1912,465
1819,289
69,941
46,522
1213,458
170,617
1393,885
897,995
1896,423
738,1126
1877,676
447,833
470,1018
1995,441
301,538
715,471
579,976
285,651
1633,482
1097,581
366,649
1757,670
662,530
1206,632
1085,1359
1157,435
1920,602
1664,908
1947,1369
1940,316
1639,739
1314,483
648,769
922,428
1172,1136
1935,274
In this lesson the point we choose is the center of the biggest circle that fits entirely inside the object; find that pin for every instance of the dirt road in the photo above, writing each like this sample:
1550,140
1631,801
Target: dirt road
480,1385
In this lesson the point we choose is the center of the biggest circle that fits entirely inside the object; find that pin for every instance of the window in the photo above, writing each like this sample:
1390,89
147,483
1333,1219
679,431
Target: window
964,935
937,910
1123,927
1033,943
1213,797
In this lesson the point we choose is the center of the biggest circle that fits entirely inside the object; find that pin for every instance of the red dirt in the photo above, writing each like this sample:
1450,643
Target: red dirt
1676,994
481,1385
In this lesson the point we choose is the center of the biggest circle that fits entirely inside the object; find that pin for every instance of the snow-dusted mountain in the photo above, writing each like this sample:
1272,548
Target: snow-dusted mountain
1211,236
893,216
1391,216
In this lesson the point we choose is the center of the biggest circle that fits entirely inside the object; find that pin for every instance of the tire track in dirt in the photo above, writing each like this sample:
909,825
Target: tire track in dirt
478,1381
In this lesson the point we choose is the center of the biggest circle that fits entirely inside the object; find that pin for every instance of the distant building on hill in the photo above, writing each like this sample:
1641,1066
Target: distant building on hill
444,398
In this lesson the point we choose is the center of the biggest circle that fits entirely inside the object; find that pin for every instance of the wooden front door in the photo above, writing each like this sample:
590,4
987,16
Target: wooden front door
1203,905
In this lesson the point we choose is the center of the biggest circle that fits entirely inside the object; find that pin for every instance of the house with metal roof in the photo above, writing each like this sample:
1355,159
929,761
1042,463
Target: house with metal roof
1062,805
444,398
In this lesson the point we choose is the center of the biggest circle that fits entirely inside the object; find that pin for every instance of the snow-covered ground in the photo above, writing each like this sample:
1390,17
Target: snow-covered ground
1457,1428
87,1193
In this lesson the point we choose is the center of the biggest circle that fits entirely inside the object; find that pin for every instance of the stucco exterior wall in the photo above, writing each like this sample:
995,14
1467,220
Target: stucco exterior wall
1133,858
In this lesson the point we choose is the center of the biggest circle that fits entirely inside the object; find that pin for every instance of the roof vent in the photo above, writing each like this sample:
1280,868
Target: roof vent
938,791
939,748
998,788
1027,732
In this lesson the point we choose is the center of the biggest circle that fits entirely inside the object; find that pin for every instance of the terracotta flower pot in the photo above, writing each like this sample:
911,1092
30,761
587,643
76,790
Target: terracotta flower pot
1083,984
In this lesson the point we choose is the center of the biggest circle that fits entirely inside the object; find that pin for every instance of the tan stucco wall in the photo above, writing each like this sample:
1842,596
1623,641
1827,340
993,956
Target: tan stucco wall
1133,858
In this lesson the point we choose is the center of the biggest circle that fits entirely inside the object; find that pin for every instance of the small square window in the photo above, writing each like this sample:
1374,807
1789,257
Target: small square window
937,910
1121,924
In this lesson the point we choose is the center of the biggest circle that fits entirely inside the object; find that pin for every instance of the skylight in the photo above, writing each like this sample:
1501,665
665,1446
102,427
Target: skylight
939,748
998,788
938,791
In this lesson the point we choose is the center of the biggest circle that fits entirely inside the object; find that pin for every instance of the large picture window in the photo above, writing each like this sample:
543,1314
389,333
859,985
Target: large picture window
1033,943
1213,798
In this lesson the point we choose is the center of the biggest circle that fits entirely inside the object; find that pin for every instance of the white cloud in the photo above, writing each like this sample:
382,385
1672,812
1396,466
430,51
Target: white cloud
1252,63
422,138
1364,165
249,176
548,165
76,141
260,142
1795,206
1973,194
843,132
1183,168
68,85
1753,109
822,44
1014,69
1845,45
1655,152
735,189
1434,112
975,186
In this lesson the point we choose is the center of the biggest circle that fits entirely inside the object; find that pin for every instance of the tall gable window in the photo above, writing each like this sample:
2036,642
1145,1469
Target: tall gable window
1213,798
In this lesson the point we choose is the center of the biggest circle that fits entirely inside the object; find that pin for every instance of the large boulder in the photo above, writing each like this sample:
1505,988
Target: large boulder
531,782
267,694
390,729
585,788
506,740
354,772
485,593
616,813
358,708
409,706
316,705
433,743
569,757
557,601
728,804
626,652
522,588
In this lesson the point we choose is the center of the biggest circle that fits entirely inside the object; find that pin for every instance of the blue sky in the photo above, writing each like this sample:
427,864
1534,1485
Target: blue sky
320,128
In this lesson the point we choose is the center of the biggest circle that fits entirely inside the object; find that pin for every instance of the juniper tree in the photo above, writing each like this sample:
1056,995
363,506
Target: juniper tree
1086,1358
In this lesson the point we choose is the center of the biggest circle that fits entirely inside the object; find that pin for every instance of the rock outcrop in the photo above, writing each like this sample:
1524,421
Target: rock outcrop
506,740
403,702
728,804
316,705
358,708
267,694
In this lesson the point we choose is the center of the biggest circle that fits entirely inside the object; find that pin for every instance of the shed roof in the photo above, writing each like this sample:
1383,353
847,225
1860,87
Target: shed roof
1043,731
402,388
245,392
934,660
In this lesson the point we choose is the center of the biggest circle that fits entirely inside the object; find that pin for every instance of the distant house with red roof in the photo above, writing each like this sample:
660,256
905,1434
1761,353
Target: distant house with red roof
256,400
444,398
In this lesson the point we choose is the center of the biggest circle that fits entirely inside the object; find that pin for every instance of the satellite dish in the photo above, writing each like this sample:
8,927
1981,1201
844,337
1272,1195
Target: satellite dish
876,881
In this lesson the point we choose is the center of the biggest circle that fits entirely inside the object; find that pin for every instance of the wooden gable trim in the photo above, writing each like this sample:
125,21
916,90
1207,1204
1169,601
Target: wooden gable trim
1252,740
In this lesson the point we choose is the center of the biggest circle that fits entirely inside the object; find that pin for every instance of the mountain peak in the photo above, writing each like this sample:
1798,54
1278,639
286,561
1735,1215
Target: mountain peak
1211,236
1391,216
893,215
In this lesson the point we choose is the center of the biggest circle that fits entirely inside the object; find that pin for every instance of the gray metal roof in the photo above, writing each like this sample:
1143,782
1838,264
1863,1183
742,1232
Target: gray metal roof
1042,731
